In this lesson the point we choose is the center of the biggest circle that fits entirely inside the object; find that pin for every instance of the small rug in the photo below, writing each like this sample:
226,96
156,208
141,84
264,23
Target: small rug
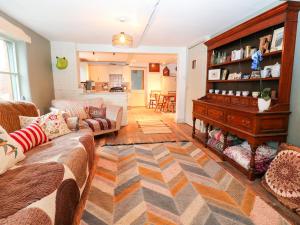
169,184
154,127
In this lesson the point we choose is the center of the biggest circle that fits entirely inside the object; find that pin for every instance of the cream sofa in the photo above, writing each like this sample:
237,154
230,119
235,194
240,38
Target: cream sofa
76,108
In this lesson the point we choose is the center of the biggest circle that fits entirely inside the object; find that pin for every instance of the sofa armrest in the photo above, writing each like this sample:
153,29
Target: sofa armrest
115,113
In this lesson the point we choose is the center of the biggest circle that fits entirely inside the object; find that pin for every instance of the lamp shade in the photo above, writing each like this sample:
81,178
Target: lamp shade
122,40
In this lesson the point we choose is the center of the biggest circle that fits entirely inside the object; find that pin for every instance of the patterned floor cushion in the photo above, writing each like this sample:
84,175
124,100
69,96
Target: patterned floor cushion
214,143
231,139
242,155
283,177
99,124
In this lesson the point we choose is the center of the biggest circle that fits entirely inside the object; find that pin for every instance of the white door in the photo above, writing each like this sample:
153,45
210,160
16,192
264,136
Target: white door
136,97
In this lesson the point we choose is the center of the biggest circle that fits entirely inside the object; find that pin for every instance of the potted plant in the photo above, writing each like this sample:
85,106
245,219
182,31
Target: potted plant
264,100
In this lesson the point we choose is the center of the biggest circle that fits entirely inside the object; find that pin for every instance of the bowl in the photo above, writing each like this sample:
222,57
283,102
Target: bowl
211,91
255,94
217,91
245,93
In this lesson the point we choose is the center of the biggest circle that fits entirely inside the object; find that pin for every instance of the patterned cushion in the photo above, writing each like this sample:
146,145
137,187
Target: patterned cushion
10,151
96,112
215,144
29,137
231,139
53,124
25,121
99,124
283,178
242,155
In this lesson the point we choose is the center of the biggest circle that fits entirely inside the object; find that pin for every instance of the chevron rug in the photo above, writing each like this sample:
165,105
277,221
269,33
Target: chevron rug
168,184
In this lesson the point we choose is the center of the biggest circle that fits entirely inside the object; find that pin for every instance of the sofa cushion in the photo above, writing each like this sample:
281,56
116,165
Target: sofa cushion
10,112
283,178
29,137
76,107
100,124
96,112
10,151
25,121
53,124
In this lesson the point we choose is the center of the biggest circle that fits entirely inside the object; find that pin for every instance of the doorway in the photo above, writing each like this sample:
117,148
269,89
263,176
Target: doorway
137,96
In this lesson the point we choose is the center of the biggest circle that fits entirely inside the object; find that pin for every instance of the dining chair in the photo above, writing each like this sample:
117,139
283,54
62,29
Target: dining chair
154,94
160,103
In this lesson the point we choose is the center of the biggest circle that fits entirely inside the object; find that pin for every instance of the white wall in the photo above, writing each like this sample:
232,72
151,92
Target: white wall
66,81
84,71
294,123
196,79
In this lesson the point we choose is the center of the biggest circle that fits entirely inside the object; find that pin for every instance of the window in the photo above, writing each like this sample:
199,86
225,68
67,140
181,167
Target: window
137,79
9,88
115,80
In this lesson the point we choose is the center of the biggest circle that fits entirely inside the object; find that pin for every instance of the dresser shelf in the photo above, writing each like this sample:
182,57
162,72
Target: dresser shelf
244,80
244,60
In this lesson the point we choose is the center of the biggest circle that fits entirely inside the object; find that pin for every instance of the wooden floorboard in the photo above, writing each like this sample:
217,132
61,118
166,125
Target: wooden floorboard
183,132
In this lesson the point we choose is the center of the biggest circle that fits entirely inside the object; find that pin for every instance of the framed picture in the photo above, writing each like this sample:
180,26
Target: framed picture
277,40
214,74
225,73
194,64
154,67
264,43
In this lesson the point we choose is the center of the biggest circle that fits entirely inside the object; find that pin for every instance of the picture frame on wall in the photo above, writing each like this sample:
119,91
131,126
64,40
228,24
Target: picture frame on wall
277,40
214,74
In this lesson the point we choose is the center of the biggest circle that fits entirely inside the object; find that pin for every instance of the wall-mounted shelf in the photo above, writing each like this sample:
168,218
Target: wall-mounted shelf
244,60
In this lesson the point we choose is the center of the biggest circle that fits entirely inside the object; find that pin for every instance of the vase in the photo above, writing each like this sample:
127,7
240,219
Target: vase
263,104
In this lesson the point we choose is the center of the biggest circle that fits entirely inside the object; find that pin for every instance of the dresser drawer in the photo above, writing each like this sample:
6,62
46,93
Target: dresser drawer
199,109
240,121
216,114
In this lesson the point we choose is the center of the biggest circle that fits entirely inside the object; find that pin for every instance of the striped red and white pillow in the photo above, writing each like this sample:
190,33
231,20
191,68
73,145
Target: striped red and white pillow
29,137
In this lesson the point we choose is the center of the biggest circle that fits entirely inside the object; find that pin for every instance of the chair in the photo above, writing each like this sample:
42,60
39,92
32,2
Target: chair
160,104
172,104
153,98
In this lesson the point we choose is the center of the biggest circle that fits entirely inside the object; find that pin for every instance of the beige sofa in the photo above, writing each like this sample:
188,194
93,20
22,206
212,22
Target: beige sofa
76,108
50,186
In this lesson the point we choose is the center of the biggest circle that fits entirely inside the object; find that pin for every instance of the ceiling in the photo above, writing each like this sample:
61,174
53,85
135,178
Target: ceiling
173,23
130,58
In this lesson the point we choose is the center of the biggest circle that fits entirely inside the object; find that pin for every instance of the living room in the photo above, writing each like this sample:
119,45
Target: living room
149,112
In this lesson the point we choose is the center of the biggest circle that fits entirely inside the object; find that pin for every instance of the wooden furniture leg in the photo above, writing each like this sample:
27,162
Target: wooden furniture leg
225,145
251,175
194,127
206,134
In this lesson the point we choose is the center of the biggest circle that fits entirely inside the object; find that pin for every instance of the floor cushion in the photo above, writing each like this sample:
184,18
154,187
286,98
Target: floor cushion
242,155
100,124
283,177
217,134
216,144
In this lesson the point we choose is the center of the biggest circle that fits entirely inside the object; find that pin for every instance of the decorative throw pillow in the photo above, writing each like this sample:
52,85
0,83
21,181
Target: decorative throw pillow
283,178
73,123
25,121
54,125
96,112
29,137
10,151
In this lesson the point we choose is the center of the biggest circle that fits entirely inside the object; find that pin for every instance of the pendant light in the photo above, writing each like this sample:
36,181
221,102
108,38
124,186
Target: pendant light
122,40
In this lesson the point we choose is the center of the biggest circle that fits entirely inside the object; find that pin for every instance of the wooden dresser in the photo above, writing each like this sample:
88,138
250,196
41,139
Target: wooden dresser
239,115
